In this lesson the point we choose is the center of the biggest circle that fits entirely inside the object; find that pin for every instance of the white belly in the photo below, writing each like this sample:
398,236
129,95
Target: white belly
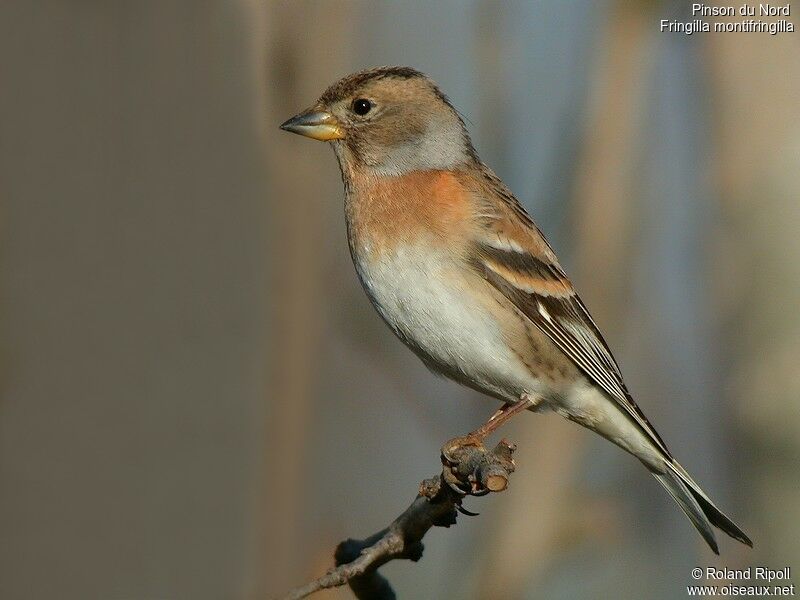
437,313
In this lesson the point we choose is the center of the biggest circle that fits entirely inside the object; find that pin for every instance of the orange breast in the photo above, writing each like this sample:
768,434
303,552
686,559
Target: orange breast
388,211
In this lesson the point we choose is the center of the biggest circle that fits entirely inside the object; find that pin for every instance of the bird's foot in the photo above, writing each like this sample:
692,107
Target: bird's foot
464,457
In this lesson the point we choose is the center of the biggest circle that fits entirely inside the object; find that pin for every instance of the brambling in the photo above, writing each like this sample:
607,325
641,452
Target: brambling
462,275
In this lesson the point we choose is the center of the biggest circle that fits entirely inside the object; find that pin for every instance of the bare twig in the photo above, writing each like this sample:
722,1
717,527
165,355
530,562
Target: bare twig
469,469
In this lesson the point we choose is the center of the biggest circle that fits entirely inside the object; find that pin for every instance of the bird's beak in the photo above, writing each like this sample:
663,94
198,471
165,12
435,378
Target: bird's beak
316,124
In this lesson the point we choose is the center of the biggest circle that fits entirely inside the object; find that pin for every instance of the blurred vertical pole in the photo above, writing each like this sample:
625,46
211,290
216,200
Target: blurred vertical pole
132,293
604,202
757,279
257,21
306,42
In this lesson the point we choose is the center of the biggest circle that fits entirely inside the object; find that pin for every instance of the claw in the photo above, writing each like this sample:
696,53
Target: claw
464,511
453,482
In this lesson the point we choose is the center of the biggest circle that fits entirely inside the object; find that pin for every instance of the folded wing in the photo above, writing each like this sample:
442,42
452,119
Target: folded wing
513,255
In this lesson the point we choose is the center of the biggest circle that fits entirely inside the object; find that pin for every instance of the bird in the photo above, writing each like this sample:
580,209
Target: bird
462,275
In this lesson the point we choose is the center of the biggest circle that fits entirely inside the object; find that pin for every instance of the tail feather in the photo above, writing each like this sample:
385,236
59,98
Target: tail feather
716,516
689,505
697,506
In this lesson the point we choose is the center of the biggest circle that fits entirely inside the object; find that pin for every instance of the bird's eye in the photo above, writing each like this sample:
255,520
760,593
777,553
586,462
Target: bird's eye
361,106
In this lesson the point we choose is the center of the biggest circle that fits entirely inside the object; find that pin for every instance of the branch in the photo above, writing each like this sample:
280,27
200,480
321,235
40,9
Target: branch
468,470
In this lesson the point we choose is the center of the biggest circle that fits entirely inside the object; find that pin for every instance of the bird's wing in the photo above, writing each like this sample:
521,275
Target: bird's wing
513,255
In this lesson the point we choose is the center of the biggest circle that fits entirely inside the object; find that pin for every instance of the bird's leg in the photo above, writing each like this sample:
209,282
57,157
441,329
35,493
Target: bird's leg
497,420
501,411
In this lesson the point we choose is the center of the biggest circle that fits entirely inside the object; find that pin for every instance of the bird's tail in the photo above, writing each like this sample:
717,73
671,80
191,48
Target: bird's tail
697,506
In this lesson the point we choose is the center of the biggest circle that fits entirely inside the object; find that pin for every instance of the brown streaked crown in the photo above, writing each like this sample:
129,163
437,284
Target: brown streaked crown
352,83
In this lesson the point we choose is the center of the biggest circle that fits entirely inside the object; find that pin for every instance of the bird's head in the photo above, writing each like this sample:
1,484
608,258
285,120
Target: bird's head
390,120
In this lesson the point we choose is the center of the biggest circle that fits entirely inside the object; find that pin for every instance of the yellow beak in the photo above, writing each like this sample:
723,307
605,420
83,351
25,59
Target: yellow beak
316,124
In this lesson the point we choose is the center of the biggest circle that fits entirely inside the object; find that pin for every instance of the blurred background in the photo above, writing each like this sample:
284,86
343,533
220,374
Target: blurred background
198,401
